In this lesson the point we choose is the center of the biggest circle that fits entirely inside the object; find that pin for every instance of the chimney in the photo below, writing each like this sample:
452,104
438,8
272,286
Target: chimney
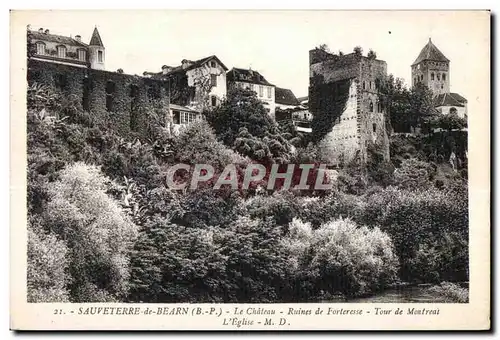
78,38
47,31
186,63
40,30
165,69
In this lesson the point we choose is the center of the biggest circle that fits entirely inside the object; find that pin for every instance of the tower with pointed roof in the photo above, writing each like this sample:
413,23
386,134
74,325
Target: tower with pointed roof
432,68
97,52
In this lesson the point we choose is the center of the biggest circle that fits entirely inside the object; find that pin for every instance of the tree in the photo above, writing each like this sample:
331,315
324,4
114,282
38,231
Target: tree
358,50
421,110
450,121
395,99
372,55
243,123
98,233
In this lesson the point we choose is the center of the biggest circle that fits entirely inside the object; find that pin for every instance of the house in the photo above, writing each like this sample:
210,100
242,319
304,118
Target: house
254,81
288,107
285,99
67,50
197,85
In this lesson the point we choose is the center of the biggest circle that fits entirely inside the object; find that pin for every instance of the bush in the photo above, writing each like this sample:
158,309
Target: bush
98,233
241,263
424,226
342,257
451,292
47,264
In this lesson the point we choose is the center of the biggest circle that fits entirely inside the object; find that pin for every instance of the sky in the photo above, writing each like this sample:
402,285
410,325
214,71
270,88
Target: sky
276,43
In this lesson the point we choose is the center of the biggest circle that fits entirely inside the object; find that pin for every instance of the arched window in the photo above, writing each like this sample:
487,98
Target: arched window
61,51
444,76
432,76
438,76
364,85
374,127
40,48
371,106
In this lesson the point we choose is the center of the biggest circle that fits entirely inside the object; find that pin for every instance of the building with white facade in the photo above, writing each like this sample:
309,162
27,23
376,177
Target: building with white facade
67,50
254,81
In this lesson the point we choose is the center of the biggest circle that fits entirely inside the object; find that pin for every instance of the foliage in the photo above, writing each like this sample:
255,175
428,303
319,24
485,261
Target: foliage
414,174
243,124
342,257
450,121
241,263
47,276
451,292
358,50
97,232
372,55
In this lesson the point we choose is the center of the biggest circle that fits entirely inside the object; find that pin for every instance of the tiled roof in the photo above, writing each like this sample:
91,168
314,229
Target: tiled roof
449,99
180,70
181,108
56,38
285,97
430,52
247,76
96,39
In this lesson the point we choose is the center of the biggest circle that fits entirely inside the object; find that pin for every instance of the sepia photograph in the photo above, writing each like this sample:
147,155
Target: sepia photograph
307,158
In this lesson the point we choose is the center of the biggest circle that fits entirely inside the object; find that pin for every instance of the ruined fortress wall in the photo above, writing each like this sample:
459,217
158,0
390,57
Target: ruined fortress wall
128,97
344,139
342,143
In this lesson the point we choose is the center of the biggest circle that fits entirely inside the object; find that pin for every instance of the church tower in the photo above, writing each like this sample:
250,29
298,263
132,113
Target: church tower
432,68
97,54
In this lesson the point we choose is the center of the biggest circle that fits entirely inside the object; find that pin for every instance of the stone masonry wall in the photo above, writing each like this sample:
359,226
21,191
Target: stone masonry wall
345,140
123,99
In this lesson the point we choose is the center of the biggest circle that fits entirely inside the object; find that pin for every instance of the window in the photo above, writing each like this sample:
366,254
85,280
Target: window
432,76
441,86
176,117
374,127
40,48
438,76
444,76
213,80
453,111
110,90
364,85
415,80
99,56
421,77
371,106
82,55
213,64
214,101
187,117
305,116
269,90
61,51
261,91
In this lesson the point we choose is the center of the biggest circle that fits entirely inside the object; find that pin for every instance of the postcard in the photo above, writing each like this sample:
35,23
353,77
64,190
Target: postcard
250,170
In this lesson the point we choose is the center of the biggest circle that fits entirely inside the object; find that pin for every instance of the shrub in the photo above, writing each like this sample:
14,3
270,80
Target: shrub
98,233
47,264
451,292
342,257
